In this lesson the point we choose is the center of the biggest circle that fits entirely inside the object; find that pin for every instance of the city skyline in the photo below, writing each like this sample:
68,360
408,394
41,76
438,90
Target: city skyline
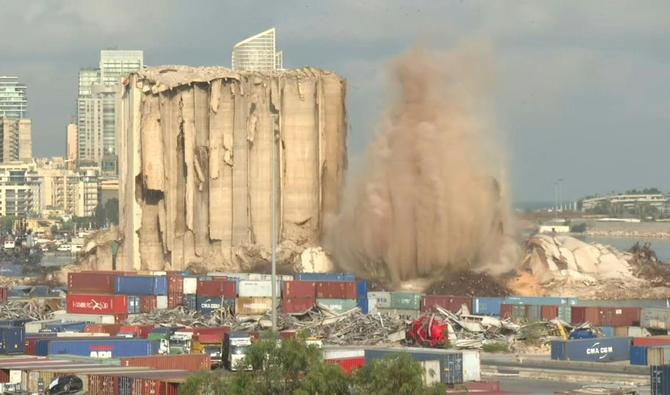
577,90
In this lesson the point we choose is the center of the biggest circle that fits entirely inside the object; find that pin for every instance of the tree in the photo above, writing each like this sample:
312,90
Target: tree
398,374
112,211
6,224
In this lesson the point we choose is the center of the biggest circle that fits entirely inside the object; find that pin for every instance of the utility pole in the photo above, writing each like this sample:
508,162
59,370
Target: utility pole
274,230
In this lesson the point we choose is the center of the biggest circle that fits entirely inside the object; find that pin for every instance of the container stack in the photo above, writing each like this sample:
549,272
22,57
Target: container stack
213,293
95,294
298,296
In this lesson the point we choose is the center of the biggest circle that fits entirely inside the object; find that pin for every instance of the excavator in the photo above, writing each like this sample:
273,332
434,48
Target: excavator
427,331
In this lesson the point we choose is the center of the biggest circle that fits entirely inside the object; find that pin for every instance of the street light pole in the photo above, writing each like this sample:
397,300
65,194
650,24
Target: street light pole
274,232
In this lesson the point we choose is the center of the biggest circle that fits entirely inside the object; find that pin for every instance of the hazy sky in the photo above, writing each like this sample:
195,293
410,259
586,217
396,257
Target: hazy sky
583,88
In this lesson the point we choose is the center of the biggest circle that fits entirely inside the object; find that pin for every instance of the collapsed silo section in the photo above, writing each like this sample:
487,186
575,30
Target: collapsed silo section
195,150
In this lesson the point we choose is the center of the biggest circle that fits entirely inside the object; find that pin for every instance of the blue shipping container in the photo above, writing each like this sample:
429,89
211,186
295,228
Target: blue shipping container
363,304
603,349
11,270
325,277
103,348
190,302
638,355
660,380
20,322
125,385
207,305
451,363
487,306
608,331
133,304
362,289
141,285
539,300
12,340
65,327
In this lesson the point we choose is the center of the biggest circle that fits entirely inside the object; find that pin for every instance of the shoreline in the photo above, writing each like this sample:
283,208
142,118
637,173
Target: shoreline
621,234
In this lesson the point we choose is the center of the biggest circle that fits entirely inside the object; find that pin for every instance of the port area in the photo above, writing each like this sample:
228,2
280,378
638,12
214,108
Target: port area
539,374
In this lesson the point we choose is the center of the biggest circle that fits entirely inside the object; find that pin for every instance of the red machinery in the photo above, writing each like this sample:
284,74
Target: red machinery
427,331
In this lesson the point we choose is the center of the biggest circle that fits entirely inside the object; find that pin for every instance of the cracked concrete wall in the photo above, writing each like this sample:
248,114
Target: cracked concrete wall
195,163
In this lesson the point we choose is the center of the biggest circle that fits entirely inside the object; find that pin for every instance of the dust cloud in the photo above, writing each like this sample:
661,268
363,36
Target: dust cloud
431,197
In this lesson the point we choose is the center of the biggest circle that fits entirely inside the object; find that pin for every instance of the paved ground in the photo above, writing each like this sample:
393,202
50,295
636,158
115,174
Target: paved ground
525,386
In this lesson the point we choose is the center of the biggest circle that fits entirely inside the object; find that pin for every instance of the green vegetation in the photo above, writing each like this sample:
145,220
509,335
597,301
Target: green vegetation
293,367
496,347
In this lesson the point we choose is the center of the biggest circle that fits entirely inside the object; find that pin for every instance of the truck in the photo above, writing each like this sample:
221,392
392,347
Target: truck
162,334
235,348
213,349
180,343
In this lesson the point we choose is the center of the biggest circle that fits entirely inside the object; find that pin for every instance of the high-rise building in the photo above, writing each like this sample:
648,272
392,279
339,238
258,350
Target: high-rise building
96,105
15,140
258,53
64,191
71,145
13,98
19,190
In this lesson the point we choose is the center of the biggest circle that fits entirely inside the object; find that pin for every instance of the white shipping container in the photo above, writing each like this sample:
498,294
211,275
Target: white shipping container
258,289
61,315
252,305
343,353
36,326
431,372
190,285
372,304
81,334
471,365
161,302
241,276
383,299
14,376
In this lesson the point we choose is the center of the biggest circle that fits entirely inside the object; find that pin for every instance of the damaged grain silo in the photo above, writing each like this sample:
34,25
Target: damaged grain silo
195,149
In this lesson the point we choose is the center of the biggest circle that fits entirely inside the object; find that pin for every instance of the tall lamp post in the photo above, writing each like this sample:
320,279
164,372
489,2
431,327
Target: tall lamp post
274,231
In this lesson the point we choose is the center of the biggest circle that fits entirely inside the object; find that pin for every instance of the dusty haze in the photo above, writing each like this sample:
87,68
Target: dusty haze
432,196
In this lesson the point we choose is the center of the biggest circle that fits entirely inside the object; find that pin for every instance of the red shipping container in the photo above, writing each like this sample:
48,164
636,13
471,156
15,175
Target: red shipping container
139,331
297,305
211,335
606,316
99,282
549,312
103,385
348,365
505,311
4,294
112,329
298,289
97,304
217,287
448,302
188,362
175,290
336,290
4,375
147,304
651,341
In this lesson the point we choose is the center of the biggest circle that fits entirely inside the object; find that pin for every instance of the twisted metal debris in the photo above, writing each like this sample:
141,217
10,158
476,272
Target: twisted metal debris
33,309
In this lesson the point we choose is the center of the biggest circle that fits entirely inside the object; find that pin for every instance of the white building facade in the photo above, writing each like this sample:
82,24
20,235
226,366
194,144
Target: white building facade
258,53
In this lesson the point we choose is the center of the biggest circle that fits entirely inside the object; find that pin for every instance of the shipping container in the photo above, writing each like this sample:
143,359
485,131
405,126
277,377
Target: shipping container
348,365
147,304
450,362
37,326
257,288
267,277
139,331
361,289
540,300
608,331
603,349
91,282
448,302
111,329
337,305
638,355
188,362
630,331
652,341
65,327
660,380
405,314
162,302
217,287
520,312
658,355
175,291
297,305
549,312
619,303
190,302
211,335
606,316
90,318
298,289
325,277
565,313
134,304
208,305
190,285
336,290
406,300
12,340
97,304
103,384
655,318
141,285
471,365
104,348
362,303
4,294
487,306
252,305
381,300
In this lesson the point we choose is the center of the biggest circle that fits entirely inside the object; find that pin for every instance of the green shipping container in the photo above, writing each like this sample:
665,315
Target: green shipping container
338,305
405,301
406,314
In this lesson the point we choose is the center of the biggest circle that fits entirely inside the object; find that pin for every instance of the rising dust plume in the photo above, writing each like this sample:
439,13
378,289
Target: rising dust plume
432,197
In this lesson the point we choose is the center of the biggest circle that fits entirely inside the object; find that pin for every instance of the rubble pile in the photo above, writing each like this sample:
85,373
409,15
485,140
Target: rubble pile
33,309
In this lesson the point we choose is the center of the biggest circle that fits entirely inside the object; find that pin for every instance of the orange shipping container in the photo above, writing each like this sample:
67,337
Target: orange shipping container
549,312
112,329
188,362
